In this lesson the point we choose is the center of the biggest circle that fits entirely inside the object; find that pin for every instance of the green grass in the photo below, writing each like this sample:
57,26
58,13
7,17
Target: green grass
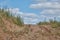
54,24
16,20
43,23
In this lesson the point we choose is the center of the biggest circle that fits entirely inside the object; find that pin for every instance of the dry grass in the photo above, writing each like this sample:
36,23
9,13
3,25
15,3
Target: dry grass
11,29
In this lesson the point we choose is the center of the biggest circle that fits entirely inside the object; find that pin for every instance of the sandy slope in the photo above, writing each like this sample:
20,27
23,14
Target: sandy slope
33,32
11,31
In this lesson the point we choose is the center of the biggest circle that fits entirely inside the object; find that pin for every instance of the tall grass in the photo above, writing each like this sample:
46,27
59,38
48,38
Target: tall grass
54,24
16,20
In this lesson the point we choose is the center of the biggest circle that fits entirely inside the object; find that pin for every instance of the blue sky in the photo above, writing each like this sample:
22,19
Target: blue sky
23,5
33,11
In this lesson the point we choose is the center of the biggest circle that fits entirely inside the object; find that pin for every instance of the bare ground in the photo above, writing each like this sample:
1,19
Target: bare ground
32,32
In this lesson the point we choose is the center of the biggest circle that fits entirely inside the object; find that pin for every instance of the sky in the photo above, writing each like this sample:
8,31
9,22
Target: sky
33,11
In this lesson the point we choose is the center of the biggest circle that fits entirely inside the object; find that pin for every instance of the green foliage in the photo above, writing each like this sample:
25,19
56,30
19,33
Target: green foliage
16,20
43,23
54,24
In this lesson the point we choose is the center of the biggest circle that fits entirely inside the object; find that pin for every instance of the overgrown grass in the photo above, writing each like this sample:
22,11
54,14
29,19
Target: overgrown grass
16,20
54,24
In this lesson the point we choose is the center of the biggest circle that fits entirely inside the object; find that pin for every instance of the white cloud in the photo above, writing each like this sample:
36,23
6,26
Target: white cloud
49,8
29,18
40,0
30,14
47,0
14,10
34,21
54,5
51,12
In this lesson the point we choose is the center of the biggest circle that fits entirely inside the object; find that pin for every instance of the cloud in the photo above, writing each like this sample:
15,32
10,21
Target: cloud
48,8
32,18
47,0
14,10
30,15
40,0
29,18
50,14
46,5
